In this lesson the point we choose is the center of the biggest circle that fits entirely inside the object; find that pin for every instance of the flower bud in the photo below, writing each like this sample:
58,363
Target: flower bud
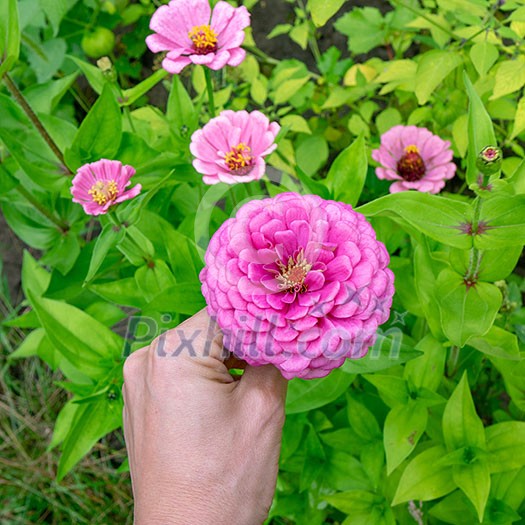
489,160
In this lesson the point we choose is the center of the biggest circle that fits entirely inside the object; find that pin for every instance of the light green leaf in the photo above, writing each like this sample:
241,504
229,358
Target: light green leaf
519,119
35,278
304,395
91,421
483,55
131,95
503,218
353,502
480,130
438,217
9,35
299,34
81,339
392,389
497,342
347,174
29,345
404,425
425,478
93,74
311,154
462,426
510,76
296,123
362,421
474,481
388,351
505,446
107,239
181,111
364,27
183,298
465,312
427,370
432,69
323,10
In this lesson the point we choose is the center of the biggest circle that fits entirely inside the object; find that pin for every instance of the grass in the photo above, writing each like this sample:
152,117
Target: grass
30,401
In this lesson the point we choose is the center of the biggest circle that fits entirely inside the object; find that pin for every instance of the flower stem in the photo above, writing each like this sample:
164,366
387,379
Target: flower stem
11,86
452,362
61,225
209,86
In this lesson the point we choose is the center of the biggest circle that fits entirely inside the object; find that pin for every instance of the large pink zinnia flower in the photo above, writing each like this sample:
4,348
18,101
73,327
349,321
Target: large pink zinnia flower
299,282
190,32
230,148
101,184
415,158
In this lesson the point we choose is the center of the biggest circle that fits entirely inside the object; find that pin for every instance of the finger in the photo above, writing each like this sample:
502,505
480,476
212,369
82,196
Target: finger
199,336
267,378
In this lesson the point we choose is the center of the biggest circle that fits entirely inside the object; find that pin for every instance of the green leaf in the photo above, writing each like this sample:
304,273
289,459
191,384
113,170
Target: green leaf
28,147
304,395
29,345
93,74
90,422
181,111
9,35
43,98
354,502
504,220
123,292
510,76
35,278
323,10
108,238
497,342
315,460
347,174
362,421
427,370
55,11
154,278
483,55
183,298
462,427
364,27
474,481
480,130
99,134
392,389
519,119
432,69
425,478
438,217
404,426
311,154
505,446
465,312
82,340
388,351
131,95
184,256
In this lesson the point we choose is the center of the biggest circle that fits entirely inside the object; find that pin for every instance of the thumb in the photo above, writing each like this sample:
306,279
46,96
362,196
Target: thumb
266,378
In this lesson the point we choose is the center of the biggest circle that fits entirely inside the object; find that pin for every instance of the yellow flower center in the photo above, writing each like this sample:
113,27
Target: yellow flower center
293,274
412,149
103,191
204,39
239,160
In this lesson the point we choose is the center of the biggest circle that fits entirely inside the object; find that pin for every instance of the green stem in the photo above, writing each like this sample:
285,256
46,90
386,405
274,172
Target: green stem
209,86
452,362
11,86
61,225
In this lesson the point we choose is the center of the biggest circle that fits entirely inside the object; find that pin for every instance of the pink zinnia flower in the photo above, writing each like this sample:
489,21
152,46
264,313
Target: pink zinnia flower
190,32
299,282
101,184
415,158
230,148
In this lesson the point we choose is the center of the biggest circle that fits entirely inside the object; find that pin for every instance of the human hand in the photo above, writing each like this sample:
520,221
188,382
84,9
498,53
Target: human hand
203,447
